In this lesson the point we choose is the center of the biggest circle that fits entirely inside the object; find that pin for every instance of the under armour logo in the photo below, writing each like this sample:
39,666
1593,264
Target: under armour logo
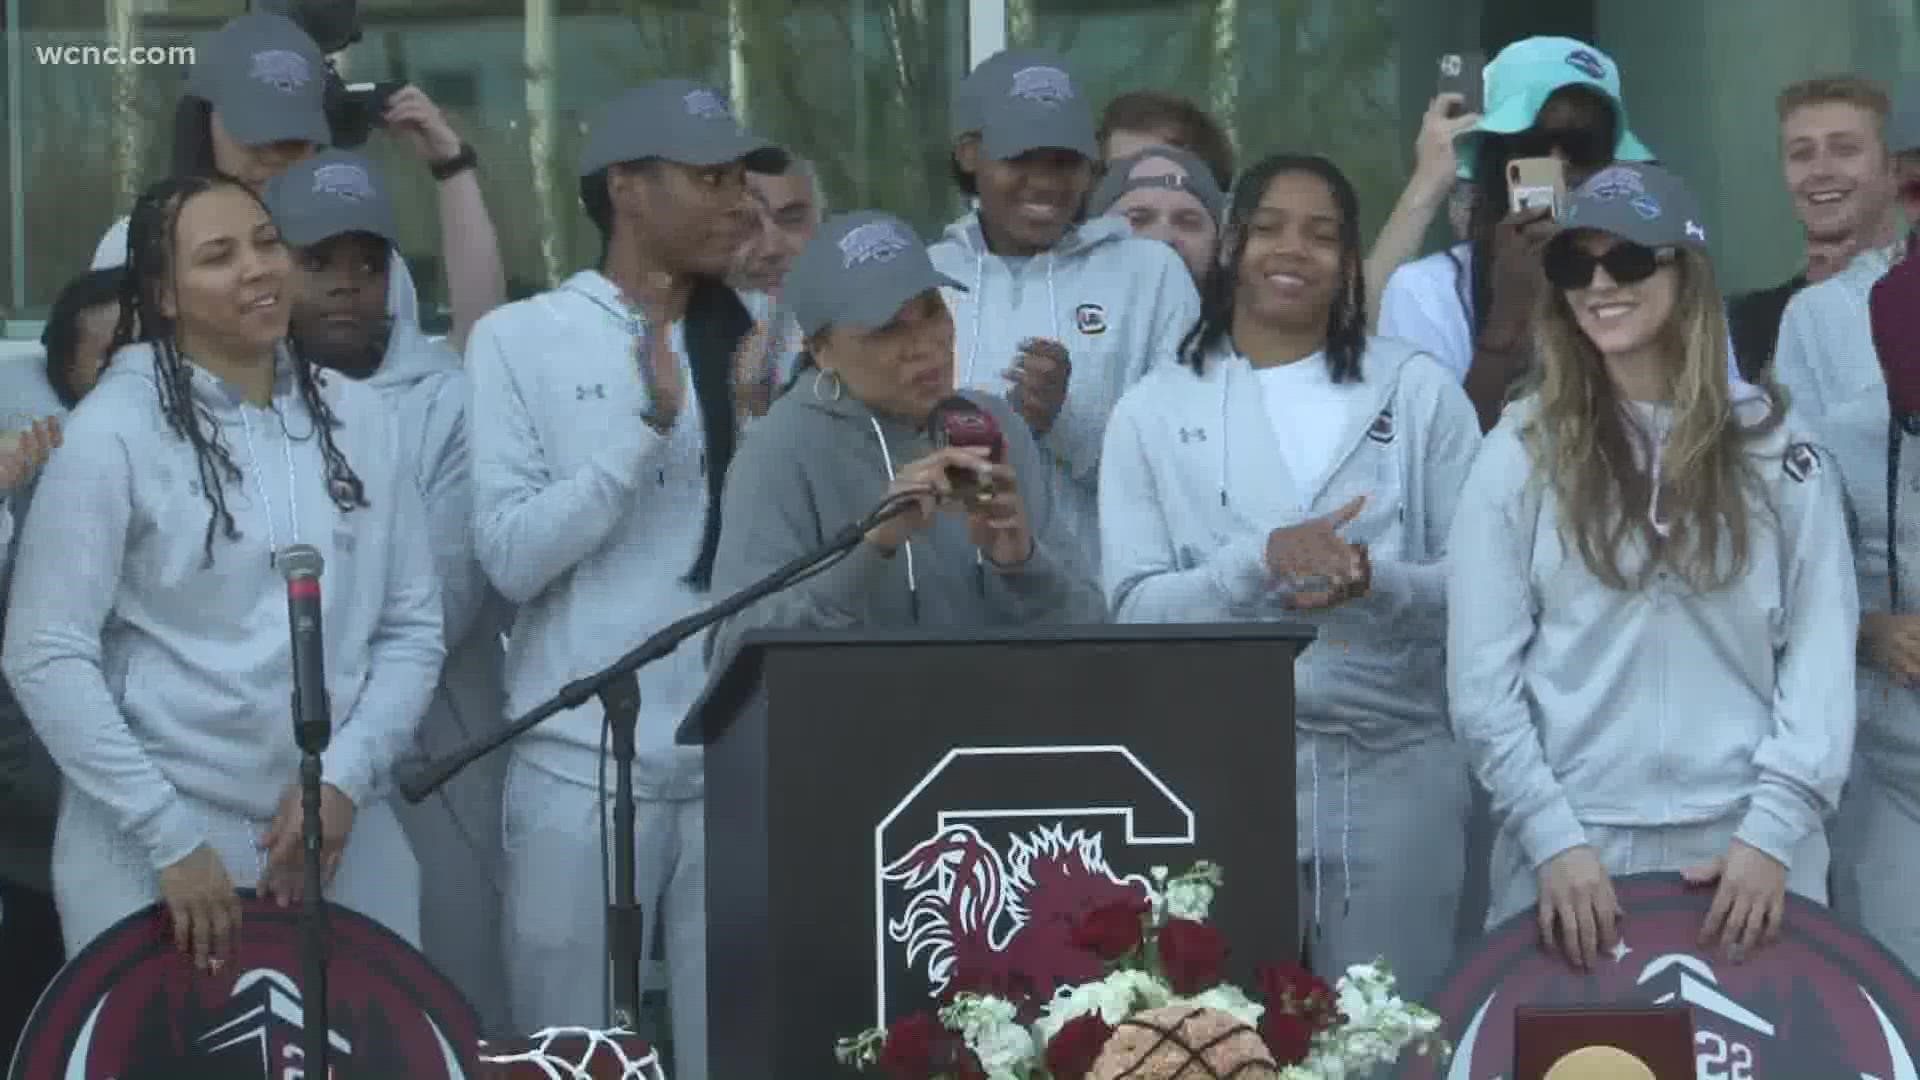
1695,232
1193,435
343,181
876,241
706,105
1046,85
283,70
597,390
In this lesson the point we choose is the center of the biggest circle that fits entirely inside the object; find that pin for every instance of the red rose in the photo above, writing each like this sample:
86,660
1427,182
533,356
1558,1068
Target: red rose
1192,955
1289,1038
1074,1048
1299,992
1113,930
968,1067
908,1052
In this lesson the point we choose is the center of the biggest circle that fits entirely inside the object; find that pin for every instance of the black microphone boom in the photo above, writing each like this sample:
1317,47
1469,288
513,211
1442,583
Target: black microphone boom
301,565
618,689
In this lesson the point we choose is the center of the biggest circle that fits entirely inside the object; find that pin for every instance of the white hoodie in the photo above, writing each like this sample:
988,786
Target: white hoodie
588,520
1119,303
149,675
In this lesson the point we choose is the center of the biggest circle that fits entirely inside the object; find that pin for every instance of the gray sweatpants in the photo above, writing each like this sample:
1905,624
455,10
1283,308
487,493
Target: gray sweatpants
1644,850
1382,841
556,912
101,876
456,835
1875,877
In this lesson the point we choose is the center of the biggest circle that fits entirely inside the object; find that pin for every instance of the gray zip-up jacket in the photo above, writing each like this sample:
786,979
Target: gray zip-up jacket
1580,704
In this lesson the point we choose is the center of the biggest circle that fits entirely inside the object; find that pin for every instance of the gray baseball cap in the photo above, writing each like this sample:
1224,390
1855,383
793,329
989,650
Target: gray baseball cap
265,78
330,193
1193,178
674,120
1640,203
1903,127
995,70
859,270
1033,106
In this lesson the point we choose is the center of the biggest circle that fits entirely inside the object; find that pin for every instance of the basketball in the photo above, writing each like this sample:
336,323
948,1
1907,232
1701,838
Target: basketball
1180,1042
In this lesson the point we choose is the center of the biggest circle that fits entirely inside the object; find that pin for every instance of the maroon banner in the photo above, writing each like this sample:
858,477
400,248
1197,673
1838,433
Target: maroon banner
1825,1001
131,1007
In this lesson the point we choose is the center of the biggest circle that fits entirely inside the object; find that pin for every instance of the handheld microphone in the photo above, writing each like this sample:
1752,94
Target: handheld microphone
301,565
958,421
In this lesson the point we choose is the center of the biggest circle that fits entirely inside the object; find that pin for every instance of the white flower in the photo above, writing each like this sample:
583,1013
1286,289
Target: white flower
1114,998
1230,1000
1190,900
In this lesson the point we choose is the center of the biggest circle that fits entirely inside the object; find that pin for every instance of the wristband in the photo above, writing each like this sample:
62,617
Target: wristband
455,165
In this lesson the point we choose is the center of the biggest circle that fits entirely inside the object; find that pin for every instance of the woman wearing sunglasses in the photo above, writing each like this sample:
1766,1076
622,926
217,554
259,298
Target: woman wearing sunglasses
1651,650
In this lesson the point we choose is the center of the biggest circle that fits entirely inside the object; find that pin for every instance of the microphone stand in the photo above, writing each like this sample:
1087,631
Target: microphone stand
618,688
313,739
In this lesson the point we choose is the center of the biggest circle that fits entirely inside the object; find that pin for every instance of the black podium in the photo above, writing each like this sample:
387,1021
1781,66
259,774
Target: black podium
885,808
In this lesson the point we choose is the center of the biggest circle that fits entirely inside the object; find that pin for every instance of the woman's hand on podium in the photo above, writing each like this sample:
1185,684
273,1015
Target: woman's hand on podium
203,906
1749,904
1579,913
284,877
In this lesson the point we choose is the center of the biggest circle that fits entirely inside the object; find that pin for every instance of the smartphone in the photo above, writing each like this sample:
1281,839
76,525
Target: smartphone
1464,73
1533,183
371,99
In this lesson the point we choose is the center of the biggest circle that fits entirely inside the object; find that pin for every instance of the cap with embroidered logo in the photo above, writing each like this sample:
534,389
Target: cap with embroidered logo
265,78
1030,106
1641,204
859,270
328,194
1188,174
1525,74
994,70
674,120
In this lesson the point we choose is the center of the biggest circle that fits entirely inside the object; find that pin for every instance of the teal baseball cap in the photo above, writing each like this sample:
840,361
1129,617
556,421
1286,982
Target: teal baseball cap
1526,73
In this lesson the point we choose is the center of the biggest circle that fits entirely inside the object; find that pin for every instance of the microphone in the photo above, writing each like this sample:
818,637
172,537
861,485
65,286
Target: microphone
956,422
301,565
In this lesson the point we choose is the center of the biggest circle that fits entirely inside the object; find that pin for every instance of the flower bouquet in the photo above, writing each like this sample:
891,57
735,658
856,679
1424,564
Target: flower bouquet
1163,1011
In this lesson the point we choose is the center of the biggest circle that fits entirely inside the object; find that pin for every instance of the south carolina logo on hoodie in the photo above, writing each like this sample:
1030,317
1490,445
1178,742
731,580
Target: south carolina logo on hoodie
1802,461
1090,319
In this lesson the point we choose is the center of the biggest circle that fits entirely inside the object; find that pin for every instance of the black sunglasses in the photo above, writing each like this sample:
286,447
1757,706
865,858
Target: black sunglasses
1570,267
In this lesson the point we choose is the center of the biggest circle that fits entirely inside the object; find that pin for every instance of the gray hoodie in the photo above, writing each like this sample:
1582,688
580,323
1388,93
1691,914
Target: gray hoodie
148,674
816,465
422,380
1581,704
1118,302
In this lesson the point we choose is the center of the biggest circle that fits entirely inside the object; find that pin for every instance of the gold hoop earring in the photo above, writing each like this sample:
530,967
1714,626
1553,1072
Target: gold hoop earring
823,378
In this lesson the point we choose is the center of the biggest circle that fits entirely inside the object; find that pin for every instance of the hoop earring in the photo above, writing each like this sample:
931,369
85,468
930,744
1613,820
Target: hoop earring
822,377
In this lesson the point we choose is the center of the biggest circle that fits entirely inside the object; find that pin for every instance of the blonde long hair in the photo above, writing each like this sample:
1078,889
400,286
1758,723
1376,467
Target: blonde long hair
1579,438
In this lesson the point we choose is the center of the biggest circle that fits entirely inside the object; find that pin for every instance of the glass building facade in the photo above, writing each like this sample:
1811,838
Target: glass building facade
862,87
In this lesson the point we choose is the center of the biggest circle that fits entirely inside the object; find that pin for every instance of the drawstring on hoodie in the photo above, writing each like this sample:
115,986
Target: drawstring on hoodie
913,582
266,503
980,307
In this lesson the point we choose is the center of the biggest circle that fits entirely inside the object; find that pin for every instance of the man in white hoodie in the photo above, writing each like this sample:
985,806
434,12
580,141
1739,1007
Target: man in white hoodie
604,419
334,209
1060,315
1827,362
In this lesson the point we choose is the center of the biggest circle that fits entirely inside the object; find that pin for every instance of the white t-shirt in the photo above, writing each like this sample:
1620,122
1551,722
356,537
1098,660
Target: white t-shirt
1309,413
1428,301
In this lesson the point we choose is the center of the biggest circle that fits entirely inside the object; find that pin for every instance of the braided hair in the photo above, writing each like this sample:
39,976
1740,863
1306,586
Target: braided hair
151,239
1346,322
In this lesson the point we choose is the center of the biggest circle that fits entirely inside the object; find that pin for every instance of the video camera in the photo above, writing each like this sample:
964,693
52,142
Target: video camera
353,110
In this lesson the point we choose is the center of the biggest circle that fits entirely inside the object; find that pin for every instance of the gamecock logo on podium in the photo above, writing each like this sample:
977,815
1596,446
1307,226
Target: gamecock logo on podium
985,865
